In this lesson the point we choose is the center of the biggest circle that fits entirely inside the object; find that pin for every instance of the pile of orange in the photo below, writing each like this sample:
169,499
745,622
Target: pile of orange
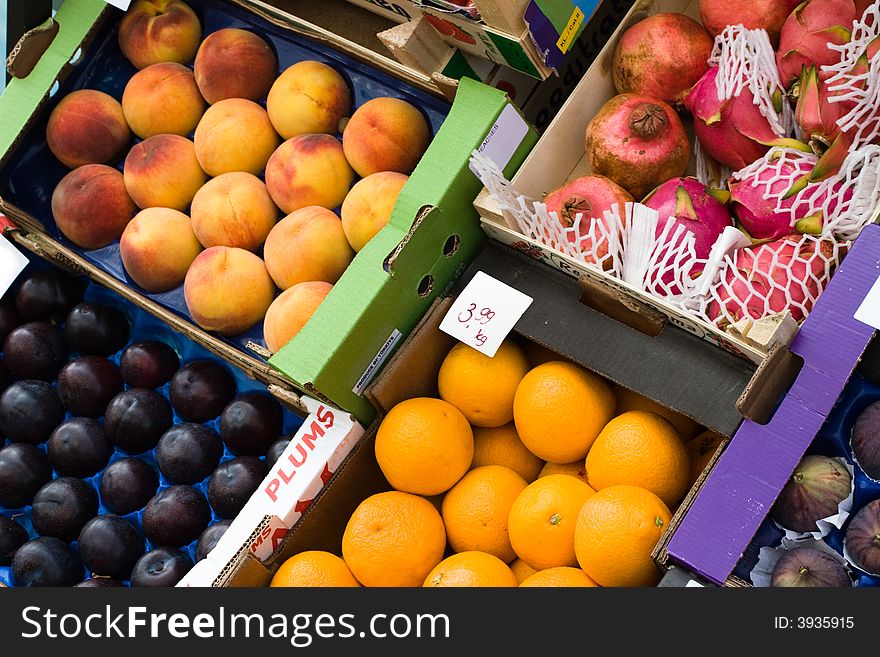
524,475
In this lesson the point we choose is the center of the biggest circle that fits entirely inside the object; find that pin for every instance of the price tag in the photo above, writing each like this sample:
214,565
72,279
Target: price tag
122,4
869,311
484,313
12,261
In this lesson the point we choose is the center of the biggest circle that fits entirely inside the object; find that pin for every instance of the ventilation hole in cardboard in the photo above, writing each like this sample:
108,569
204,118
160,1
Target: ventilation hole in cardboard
77,56
54,89
450,247
426,285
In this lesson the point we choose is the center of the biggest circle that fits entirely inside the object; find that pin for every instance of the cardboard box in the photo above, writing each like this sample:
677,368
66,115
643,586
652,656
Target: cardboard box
399,11
433,232
556,25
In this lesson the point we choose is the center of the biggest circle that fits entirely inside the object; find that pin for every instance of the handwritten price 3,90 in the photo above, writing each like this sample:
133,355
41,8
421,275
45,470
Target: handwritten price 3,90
483,317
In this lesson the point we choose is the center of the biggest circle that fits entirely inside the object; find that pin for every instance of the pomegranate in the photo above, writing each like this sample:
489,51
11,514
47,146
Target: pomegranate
808,567
862,540
865,441
753,14
814,491
661,56
637,141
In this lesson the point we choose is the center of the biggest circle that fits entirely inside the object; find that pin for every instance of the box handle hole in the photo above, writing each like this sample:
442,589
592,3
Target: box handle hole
426,285
450,246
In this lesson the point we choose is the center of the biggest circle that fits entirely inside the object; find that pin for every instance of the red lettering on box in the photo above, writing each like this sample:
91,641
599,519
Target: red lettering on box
272,489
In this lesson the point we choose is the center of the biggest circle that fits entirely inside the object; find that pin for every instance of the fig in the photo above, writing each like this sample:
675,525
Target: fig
807,567
817,486
865,440
862,540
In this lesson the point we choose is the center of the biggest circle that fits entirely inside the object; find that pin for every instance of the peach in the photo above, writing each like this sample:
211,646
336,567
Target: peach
308,170
308,98
368,206
162,99
154,31
163,171
91,206
233,209
235,135
157,248
307,245
227,290
87,127
385,134
234,63
290,312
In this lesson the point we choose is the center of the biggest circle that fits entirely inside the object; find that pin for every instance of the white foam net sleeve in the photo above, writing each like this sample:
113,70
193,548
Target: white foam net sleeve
847,82
745,58
709,172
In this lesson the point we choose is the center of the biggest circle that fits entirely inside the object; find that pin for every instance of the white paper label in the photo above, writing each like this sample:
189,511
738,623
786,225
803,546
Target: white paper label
377,362
504,137
122,4
869,312
484,313
12,262
692,583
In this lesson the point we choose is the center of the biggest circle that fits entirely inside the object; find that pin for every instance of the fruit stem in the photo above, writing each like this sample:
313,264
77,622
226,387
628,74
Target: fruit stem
555,519
648,120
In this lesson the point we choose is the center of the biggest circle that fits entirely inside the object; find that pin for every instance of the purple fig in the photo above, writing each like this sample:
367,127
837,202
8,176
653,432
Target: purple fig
817,486
865,440
806,567
862,540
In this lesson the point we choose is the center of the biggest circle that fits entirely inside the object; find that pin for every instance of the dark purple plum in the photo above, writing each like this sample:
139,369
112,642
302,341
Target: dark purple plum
136,419
109,546
23,471
187,453
201,390
233,483
48,295
9,317
12,537
87,384
99,583
97,329
865,440
276,450
79,447
5,377
29,411
161,567
35,350
209,538
46,561
62,507
128,484
251,423
176,516
148,364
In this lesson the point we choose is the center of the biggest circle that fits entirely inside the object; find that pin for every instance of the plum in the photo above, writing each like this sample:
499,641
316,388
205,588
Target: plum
210,537
187,453
277,449
48,295
46,561
200,390
233,483
250,423
98,583
862,539
176,516
128,484
29,411
9,317
807,567
62,507
136,419
36,350
79,447
12,537
148,364
865,440
23,471
87,384
96,329
5,376
162,566
110,546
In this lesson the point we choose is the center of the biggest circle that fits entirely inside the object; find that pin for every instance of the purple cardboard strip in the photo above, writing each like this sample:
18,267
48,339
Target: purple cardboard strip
544,35
749,475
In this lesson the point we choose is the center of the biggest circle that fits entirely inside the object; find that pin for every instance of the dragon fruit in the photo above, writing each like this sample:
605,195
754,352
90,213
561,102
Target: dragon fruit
817,117
788,274
808,31
753,14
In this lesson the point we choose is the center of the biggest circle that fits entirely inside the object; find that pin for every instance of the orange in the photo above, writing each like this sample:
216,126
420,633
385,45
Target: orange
617,529
470,569
701,449
641,449
502,446
481,387
476,509
521,569
559,409
627,400
393,539
542,520
561,576
313,568
424,446
575,469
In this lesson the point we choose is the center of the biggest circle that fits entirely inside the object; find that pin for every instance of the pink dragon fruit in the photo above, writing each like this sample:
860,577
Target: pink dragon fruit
817,117
770,278
807,32
733,132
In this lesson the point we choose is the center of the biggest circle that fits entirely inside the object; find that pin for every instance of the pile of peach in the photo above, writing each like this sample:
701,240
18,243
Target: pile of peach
224,151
